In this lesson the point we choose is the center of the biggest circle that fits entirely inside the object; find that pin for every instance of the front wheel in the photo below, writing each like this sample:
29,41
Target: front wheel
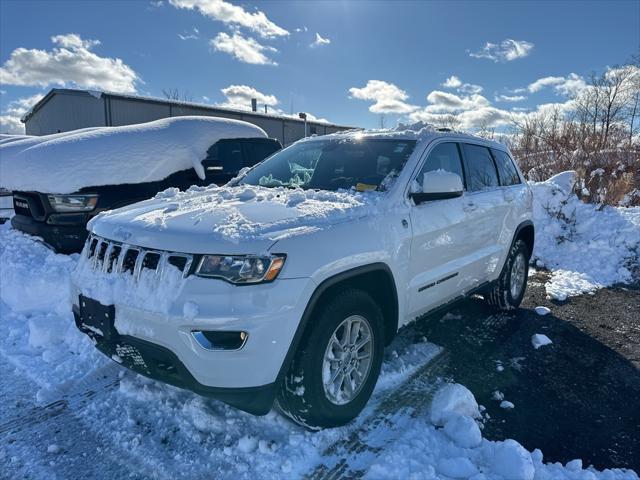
336,368
509,290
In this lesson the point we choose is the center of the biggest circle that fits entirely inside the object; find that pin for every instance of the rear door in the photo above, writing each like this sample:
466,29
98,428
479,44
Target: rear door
223,162
486,209
441,245
259,149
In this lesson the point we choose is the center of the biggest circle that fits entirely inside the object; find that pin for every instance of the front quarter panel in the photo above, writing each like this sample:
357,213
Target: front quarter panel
380,238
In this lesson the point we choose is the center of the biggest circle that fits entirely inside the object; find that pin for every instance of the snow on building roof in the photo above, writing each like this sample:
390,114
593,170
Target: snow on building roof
146,152
177,103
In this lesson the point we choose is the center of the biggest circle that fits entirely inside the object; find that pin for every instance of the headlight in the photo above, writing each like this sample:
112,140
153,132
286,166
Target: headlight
73,203
241,269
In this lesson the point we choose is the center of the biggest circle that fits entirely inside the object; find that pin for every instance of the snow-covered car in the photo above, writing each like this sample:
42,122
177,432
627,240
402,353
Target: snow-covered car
61,181
288,283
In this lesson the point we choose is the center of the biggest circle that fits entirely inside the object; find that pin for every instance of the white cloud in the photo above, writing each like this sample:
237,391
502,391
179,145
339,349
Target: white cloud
456,83
71,62
505,51
246,50
319,41
510,98
193,35
450,102
387,97
239,96
10,118
568,86
452,82
234,15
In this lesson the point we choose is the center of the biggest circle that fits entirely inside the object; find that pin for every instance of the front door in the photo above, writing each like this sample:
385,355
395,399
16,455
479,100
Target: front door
441,243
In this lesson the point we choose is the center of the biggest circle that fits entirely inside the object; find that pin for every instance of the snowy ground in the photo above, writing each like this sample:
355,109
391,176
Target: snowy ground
65,396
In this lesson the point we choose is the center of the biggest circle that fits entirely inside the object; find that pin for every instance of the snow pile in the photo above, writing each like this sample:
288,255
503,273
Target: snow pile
115,155
423,450
585,246
37,331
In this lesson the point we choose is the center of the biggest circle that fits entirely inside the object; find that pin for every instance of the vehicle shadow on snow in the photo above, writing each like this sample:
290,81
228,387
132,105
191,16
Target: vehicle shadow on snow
575,398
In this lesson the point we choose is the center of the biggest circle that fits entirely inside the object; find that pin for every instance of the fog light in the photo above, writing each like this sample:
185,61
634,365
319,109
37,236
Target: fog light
220,340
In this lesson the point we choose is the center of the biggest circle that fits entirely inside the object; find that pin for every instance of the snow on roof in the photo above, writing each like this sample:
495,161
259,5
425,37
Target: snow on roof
146,152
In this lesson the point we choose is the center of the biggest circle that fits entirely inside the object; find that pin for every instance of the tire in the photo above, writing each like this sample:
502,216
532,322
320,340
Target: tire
502,296
303,396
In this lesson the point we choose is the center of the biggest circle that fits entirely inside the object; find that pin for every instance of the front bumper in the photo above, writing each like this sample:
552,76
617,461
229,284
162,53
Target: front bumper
63,238
246,378
159,363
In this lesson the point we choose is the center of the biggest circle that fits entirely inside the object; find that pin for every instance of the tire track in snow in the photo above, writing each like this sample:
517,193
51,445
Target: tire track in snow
410,398
73,397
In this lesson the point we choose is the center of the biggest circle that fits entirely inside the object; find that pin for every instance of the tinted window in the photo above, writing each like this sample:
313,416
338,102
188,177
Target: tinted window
443,157
335,164
481,171
506,169
258,151
224,157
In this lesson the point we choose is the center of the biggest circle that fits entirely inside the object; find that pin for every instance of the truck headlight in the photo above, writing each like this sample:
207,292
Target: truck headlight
241,269
73,203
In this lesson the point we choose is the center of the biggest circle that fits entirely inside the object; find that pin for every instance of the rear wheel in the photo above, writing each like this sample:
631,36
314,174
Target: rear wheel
509,290
336,367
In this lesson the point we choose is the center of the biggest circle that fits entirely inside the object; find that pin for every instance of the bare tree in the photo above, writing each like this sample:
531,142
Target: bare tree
175,94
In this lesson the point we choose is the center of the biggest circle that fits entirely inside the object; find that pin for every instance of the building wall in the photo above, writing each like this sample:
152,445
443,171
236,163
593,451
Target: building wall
64,112
71,111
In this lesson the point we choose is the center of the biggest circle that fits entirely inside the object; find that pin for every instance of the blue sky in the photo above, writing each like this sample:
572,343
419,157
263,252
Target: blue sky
369,58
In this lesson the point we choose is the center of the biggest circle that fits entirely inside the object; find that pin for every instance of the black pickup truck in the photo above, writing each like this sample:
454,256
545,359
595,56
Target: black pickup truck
61,219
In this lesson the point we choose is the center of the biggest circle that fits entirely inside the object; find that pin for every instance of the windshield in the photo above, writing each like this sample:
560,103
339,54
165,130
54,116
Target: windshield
362,164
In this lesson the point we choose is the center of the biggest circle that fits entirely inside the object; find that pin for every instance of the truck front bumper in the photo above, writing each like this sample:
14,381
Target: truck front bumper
63,238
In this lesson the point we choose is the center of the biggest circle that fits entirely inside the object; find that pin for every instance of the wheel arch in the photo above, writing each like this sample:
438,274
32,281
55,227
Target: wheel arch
525,232
376,279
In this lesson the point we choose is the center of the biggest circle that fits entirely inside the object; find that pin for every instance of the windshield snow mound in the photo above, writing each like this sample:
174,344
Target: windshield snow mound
147,152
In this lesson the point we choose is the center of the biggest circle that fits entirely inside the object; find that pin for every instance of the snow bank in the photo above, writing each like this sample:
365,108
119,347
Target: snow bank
585,247
37,331
423,450
65,163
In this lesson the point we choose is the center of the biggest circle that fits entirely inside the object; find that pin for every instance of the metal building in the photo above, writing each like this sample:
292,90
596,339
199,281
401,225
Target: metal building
65,109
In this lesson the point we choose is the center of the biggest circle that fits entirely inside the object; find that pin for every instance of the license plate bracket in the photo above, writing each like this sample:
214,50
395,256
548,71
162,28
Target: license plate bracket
97,319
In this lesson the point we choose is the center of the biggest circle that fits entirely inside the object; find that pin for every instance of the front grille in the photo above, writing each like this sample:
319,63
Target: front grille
114,257
28,204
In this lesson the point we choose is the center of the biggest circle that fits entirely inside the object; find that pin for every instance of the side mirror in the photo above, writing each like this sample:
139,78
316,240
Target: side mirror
439,185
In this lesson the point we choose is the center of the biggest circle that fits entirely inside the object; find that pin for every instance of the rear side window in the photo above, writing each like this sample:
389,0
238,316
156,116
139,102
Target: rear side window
224,157
258,151
444,156
506,169
481,171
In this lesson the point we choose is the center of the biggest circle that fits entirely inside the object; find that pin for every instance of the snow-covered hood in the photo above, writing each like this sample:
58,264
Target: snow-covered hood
227,220
146,152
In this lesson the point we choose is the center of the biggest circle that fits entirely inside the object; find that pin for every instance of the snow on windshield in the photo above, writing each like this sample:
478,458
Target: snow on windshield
67,162
333,164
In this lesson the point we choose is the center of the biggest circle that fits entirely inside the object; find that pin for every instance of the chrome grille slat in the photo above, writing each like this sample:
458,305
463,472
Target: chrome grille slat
109,257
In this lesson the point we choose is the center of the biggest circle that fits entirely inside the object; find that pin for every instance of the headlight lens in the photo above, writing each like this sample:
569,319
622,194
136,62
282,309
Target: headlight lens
241,269
73,203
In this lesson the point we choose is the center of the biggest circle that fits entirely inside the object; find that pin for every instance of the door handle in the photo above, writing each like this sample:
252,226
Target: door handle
469,206
509,196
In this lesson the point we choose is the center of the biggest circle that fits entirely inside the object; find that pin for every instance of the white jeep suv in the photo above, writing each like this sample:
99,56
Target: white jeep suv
285,285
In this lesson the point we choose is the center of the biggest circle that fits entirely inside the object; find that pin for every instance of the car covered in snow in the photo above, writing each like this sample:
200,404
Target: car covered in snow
286,285
61,181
